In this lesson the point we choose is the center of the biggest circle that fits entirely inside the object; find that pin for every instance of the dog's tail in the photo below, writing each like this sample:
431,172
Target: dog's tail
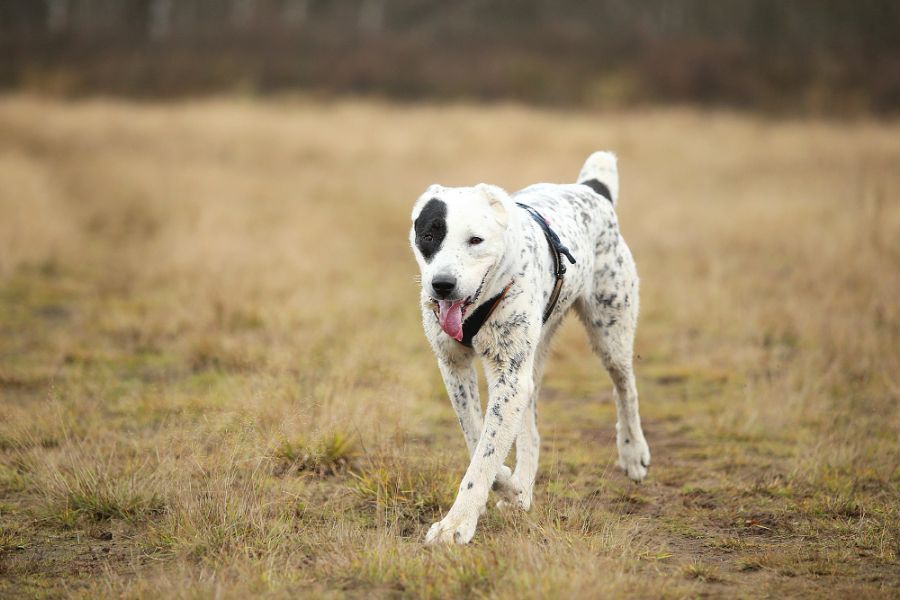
601,174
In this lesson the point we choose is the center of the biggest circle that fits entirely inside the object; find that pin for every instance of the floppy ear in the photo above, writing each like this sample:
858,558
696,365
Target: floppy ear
497,199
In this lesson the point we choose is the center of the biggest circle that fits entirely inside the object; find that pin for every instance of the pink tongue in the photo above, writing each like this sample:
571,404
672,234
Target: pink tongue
451,318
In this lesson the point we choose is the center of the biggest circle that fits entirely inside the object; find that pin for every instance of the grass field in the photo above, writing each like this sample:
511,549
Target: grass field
213,381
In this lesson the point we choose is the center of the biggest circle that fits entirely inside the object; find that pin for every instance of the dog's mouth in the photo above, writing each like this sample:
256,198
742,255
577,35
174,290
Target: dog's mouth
451,314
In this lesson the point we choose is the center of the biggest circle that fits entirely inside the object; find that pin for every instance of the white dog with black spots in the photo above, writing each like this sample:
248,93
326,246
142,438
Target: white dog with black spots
476,245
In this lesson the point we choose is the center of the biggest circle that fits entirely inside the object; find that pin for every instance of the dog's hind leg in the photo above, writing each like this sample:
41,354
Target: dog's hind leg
609,313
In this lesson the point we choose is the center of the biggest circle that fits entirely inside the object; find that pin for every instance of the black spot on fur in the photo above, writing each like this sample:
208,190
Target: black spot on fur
469,486
431,228
605,300
599,187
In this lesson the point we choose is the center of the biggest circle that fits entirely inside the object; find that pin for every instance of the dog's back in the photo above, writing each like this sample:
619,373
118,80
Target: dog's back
584,211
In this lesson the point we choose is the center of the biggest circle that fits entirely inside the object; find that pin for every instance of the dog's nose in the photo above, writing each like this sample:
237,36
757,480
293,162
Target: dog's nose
443,285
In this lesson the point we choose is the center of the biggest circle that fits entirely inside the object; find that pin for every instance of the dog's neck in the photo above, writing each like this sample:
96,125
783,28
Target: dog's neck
520,229
509,266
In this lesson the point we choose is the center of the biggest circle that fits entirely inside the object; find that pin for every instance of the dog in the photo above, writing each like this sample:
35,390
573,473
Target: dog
499,272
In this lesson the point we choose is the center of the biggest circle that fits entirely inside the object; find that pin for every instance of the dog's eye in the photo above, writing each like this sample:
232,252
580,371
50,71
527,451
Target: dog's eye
474,241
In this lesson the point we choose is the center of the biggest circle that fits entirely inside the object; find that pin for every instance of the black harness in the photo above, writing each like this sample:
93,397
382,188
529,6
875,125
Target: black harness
559,250
473,324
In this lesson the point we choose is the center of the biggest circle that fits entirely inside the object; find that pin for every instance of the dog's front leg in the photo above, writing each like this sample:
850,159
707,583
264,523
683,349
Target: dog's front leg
510,385
461,381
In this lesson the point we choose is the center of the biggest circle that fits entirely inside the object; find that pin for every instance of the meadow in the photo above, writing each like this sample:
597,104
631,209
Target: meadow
213,381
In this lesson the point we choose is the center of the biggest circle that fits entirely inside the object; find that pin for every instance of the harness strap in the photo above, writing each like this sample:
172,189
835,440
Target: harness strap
559,250
473,324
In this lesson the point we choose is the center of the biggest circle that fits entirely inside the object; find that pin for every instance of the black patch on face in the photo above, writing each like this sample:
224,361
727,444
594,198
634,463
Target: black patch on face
599,187
431,228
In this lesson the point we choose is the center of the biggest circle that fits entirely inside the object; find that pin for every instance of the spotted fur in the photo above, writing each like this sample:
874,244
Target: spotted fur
602,288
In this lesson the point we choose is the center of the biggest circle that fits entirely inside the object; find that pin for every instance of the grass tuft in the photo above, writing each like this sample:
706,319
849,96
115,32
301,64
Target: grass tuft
113,502
11,540
328,455
702,572
396,488
101,492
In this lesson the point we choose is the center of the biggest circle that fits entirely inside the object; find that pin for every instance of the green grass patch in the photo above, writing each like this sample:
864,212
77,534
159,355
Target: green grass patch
395,488
702,572
330,454
97,493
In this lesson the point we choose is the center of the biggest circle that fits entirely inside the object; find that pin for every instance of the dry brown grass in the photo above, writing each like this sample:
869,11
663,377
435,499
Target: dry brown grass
213,381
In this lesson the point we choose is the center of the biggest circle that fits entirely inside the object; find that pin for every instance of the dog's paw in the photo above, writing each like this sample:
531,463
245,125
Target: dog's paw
512,492
503,483
634,456
518,502
455,528
514,495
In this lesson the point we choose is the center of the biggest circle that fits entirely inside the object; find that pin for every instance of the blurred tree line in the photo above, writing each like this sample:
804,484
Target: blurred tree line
798,56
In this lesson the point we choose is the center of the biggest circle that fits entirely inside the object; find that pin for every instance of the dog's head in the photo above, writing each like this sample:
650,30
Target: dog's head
459,236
